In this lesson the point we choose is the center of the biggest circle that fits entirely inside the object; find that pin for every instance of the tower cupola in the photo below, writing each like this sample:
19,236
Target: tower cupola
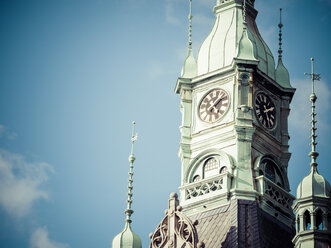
313,204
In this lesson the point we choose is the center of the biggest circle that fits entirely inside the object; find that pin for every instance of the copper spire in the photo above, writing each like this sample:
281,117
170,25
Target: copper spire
128,211
190,27
280,25
313,154
244,13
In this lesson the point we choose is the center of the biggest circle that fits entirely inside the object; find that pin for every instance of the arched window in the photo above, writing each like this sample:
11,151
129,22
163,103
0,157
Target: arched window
196,178
270,170
224,169
211,167
306,220
319,219
298,224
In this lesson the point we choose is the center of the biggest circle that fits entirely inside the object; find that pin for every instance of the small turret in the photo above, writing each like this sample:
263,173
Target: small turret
127,238
313,204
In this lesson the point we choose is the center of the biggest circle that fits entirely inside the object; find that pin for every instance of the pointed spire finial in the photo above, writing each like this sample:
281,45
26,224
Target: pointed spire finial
190,27
128,211
244,14
280,25
190,65
313,154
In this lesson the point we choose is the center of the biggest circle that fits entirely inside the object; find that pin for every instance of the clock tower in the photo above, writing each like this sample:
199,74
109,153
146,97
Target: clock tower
233,150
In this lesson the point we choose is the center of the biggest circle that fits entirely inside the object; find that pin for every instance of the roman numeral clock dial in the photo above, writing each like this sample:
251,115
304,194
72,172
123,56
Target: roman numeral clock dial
214,105
265,110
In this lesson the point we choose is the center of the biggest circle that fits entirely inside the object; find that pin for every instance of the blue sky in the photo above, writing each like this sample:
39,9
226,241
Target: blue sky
73,76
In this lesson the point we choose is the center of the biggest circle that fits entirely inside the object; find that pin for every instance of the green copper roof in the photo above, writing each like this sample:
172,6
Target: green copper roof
245,48
225,41
127,238
190,66
313,185
282,75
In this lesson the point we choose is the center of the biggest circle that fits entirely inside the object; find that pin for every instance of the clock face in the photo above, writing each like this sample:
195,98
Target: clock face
265,110
214,105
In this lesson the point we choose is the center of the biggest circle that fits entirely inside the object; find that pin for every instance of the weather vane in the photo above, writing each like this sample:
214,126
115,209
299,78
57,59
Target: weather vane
134,136
314,77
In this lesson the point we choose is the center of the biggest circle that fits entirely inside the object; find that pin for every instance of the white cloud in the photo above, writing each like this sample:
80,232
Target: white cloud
40,239
20,183
301,107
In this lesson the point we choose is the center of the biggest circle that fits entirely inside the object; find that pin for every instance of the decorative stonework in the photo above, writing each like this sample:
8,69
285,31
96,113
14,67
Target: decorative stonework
275,200
216,187
204,188
175,230
278,196
275,194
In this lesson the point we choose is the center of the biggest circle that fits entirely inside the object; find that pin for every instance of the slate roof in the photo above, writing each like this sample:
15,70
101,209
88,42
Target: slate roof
213,226
241,223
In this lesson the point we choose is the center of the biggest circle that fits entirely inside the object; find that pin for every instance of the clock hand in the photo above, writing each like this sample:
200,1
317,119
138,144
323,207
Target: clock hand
267,117
267,110
211,106
216,102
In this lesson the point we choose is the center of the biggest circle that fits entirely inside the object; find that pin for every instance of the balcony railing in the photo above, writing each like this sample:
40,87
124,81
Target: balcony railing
274,195
212,186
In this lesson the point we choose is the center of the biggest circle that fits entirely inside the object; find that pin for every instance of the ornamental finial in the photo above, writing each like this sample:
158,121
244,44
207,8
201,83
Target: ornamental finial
280,25
128,211
190,27
313,154
244,13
